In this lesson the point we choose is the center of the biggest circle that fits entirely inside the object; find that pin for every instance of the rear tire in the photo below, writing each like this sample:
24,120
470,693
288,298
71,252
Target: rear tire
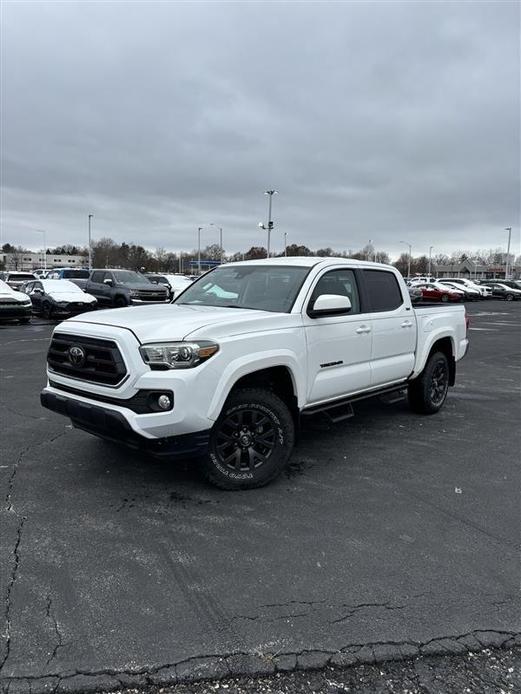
251,441
444,297
428,392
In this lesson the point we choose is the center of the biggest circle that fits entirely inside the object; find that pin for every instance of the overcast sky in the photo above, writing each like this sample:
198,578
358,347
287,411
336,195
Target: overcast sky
387,121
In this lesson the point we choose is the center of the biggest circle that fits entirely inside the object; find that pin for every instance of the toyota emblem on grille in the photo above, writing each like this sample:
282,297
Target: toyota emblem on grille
77,356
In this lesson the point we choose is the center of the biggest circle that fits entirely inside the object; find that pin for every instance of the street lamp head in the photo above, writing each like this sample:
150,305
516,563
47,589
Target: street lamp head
261,225
271,192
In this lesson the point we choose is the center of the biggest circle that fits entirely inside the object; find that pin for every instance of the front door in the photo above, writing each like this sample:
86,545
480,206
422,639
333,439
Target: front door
339,347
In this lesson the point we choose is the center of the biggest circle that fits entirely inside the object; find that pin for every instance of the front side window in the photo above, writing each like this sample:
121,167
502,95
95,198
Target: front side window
383,290
97,277
260,287
340,282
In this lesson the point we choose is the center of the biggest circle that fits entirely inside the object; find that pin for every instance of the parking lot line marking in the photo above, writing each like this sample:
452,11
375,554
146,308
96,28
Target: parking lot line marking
486,330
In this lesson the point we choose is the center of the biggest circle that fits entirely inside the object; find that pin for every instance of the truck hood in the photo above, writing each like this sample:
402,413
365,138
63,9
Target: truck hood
173,322
76,297
143,287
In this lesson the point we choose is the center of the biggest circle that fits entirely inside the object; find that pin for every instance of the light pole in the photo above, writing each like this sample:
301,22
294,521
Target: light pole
269,228
90,243
42,231
406,243
220,241
430,260
507,264
285,244
199,249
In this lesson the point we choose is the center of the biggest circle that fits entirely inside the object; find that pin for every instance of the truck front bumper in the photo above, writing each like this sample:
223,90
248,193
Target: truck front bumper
112,425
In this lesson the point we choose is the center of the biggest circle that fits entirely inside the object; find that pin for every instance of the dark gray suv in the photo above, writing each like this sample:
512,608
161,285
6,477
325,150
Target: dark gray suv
124,288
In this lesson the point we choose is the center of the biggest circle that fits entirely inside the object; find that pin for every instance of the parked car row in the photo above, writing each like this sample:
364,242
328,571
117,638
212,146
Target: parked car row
66,292
70,291
462,289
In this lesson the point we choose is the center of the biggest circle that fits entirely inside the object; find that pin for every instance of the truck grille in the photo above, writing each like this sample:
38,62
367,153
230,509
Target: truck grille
98,361
151,296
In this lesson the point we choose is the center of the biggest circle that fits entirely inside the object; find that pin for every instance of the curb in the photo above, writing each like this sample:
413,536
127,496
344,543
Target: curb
218,667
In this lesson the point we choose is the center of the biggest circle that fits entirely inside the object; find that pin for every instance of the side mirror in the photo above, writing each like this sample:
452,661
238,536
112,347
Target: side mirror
109,282
330,305
37,291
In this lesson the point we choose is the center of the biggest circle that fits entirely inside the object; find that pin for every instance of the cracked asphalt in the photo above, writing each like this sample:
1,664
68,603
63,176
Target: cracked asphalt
391,536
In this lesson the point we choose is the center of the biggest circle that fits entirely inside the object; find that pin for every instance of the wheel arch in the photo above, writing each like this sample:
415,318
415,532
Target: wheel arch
281,376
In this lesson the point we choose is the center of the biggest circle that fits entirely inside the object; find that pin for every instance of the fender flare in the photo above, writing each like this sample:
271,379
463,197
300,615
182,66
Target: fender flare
432,338
248,364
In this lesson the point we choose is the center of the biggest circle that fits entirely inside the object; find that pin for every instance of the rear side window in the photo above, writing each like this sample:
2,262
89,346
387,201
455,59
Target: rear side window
383,290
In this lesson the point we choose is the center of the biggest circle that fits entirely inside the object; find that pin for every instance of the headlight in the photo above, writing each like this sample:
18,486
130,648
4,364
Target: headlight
178,355
134,293
62,303
27,303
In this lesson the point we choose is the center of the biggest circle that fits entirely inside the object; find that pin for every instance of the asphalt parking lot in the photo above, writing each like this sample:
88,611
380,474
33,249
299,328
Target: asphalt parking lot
390,535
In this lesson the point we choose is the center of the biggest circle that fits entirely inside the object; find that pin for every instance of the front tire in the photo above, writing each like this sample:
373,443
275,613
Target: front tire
46,310
251,442
509,297
428,392
120,302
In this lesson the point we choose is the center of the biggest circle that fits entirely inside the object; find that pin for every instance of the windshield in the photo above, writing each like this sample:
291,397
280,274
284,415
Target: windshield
262,287
129,277
21,277
60,286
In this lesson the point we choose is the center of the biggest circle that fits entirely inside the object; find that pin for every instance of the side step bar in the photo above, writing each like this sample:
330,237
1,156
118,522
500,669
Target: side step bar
342,409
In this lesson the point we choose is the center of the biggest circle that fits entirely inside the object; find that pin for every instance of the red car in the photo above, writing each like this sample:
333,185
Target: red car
437,292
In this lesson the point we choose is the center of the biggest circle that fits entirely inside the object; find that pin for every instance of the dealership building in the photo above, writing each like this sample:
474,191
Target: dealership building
26,261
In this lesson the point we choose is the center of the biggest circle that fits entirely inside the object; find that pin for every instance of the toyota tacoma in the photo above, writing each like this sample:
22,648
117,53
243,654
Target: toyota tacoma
229,370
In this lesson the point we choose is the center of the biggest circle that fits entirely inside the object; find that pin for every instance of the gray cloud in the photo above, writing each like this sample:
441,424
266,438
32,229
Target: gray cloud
374,120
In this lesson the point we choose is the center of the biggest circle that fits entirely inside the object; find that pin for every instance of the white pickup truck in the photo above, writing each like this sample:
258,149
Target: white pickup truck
228,370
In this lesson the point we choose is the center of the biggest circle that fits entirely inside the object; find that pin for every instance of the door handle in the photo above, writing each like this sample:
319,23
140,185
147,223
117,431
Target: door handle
406,324
363,329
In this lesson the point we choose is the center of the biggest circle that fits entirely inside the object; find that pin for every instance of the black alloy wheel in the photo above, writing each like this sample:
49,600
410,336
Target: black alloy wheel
439,383
428,392
251,441
245,440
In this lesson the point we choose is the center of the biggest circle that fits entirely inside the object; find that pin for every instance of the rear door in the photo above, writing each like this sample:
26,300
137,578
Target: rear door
393,325
339,347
